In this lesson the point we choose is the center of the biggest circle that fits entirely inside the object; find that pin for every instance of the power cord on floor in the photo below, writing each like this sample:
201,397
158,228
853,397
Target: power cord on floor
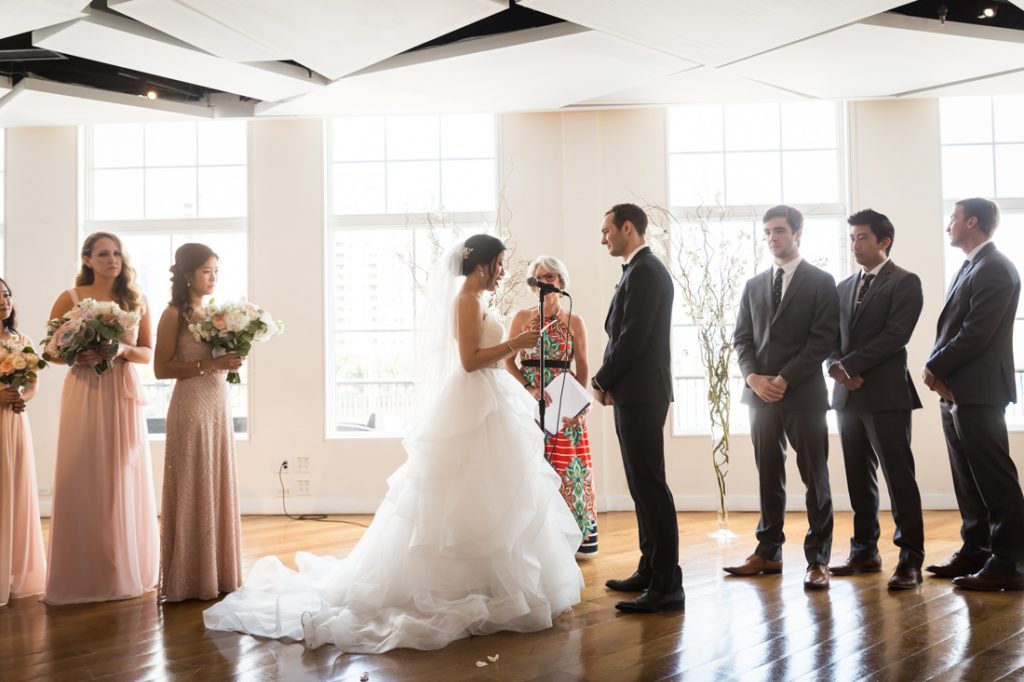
307,517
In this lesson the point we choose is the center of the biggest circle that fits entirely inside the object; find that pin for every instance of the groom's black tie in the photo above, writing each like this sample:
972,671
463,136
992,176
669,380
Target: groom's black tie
777,290
865,282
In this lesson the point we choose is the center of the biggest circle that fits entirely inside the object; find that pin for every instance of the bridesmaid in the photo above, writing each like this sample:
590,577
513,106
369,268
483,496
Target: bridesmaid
565,343
104,542
200,532
22,559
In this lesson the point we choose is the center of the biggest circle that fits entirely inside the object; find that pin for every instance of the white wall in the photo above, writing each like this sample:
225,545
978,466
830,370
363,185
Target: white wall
561,172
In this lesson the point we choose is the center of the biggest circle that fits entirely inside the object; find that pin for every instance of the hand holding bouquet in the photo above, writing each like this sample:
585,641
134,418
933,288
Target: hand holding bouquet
233,327
18,366
91,326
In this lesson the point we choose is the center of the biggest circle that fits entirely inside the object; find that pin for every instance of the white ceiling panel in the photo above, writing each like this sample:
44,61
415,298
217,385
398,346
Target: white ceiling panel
339,37
696,86
35,102
195,28
22,16
712,33
885,56
111,39
534,69
1004,84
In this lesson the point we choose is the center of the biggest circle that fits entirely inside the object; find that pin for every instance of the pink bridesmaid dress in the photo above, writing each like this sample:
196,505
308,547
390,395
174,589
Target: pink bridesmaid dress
104,539
22,559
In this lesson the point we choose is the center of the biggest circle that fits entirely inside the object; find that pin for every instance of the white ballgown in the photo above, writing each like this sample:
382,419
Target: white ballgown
472,538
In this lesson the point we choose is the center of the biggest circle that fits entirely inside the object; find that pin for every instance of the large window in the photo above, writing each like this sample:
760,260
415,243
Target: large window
158,186
983,155
734,162
402,188
3,201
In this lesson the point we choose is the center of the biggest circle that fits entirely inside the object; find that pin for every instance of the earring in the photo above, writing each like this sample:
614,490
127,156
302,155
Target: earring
188,283
482,274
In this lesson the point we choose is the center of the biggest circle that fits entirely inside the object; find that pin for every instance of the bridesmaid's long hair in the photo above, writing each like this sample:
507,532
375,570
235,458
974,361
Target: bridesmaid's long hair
125,290
9,323
187,259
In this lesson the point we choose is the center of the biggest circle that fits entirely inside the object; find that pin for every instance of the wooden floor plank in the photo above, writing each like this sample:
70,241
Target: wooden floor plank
763,628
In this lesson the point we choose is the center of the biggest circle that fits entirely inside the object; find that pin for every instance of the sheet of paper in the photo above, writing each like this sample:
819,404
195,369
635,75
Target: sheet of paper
574,399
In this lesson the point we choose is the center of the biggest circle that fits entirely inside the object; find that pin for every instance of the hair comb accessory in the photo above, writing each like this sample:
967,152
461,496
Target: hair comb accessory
466,251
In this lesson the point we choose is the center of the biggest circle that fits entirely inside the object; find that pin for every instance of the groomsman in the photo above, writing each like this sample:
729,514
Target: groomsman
878,309
787,325
971,368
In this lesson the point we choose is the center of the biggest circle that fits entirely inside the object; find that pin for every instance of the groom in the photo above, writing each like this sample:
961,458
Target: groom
636,378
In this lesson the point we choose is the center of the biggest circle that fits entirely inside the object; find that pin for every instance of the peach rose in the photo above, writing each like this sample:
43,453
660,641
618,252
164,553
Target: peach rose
18,361
7,365
219,322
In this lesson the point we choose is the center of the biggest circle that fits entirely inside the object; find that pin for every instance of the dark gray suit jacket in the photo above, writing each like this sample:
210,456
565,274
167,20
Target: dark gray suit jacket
973,350
795,341
873,343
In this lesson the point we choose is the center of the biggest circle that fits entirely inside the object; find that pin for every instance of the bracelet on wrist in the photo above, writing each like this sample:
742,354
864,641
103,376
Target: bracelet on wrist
199,367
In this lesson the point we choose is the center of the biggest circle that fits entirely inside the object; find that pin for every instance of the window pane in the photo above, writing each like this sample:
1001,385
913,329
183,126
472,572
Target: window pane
170,144
695,129
1009,118
809,125
222,192
413,186
222,143
358,138
117,145
117,194
372,278
170,193
1010,170
965,119
468,186
696,179
753,178
967,172
384,406
357,188
469,136
824,244
810,177
751,126
413,137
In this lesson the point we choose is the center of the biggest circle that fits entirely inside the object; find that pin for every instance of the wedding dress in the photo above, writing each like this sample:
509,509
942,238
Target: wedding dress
472,538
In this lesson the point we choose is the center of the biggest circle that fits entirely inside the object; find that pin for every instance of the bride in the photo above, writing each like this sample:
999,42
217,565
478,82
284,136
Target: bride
472,537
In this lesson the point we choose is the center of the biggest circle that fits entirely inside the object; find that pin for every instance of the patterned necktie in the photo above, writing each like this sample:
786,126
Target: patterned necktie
777,289
865,282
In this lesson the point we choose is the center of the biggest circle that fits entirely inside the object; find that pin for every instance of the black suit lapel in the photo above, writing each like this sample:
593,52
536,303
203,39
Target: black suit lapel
876,284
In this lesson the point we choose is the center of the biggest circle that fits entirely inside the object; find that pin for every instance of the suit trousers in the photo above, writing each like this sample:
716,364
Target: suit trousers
642,443
807,431
870,439
985,481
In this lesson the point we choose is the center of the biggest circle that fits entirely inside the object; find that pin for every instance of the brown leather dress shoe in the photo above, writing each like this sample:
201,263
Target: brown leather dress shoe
858,564
905,577
817,577
998,574
754,565
957,566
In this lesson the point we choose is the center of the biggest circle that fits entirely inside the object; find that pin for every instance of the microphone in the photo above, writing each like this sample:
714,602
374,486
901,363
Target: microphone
545,287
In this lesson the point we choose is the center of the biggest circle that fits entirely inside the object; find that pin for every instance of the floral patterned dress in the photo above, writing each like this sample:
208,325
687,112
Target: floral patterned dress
568,451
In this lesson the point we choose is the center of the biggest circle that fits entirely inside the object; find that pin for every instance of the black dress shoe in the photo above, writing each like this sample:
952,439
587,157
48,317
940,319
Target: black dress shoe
652,602
634,583
998,574
957,566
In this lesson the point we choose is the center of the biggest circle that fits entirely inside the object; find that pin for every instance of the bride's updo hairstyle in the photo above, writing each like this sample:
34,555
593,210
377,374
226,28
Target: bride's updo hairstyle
187,259
481,249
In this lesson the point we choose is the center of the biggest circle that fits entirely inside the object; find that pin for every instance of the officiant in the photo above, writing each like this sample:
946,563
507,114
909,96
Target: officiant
564,343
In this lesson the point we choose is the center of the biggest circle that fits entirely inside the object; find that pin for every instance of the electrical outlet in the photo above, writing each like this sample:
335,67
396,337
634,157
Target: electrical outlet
302,487
302,463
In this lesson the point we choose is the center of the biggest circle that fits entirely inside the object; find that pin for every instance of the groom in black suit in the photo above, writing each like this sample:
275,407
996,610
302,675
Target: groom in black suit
972,369
874,396
787,324
636,378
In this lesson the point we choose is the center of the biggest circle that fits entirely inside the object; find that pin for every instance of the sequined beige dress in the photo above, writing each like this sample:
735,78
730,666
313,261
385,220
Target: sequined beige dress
200,534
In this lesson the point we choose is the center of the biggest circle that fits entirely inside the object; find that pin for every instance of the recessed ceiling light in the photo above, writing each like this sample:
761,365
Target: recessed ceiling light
151,94
988,12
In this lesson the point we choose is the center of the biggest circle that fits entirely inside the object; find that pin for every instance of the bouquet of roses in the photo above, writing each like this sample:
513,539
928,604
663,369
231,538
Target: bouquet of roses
18,363
90,325
233,327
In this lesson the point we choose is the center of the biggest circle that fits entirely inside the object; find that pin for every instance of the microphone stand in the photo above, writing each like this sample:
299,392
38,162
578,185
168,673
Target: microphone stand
541,406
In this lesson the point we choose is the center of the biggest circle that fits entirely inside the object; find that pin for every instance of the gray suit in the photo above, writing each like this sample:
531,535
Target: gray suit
792,343
874,420
973,355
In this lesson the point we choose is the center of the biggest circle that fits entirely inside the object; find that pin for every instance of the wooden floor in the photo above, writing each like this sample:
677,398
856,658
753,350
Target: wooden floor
766,628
